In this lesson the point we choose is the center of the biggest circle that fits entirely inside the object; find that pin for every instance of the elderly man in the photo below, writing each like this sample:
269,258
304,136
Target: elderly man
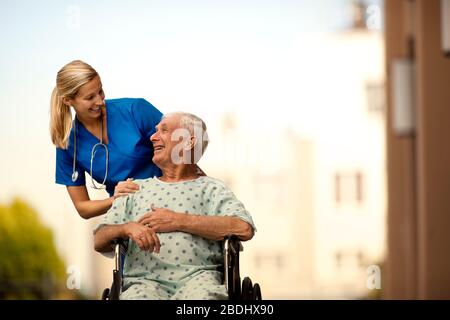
175,249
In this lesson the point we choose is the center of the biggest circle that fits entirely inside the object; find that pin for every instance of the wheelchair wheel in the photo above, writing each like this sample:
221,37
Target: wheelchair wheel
247,289
105,294
256,292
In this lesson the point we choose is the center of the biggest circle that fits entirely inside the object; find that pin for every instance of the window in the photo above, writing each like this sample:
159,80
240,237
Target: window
375,97
349,187
275,261
361,259
338,259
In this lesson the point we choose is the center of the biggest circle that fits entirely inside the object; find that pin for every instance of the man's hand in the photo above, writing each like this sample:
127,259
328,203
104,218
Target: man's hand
143,236
162,220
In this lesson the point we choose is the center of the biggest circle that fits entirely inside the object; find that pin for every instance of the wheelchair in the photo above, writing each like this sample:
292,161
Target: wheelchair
230,270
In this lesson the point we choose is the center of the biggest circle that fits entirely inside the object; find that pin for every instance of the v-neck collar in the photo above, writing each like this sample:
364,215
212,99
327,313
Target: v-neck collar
80,124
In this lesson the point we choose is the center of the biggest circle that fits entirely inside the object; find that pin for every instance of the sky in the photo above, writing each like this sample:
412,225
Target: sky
257,59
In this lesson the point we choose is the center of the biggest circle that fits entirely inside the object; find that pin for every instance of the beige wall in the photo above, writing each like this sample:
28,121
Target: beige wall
418,264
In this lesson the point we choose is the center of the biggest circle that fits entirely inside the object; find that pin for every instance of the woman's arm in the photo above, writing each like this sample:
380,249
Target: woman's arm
86,207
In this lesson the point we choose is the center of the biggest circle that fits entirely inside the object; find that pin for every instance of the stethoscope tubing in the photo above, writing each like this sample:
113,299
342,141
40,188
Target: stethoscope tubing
93,151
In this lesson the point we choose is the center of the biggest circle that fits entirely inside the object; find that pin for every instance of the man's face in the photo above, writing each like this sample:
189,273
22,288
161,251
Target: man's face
165,139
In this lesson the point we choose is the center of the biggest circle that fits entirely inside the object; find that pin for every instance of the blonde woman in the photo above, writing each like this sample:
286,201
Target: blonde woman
108,139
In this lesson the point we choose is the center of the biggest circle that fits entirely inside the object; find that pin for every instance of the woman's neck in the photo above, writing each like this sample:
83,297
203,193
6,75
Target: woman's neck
176,173
95,127
90,123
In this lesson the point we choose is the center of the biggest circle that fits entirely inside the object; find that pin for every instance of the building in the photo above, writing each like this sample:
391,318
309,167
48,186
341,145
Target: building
418,158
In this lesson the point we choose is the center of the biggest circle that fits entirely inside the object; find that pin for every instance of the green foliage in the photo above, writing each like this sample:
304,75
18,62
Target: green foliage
30,267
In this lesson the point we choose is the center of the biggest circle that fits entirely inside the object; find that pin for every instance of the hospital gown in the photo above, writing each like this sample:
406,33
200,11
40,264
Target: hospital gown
186,267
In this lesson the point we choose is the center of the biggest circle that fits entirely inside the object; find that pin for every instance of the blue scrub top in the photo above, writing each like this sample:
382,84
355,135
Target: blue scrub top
130,123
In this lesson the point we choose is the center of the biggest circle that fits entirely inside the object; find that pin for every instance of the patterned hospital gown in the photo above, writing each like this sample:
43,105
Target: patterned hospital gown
186,267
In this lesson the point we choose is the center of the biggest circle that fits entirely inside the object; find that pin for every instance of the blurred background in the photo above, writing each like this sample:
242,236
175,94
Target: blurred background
326,118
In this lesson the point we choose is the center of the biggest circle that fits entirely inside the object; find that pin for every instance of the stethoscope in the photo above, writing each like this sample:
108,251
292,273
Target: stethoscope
93,151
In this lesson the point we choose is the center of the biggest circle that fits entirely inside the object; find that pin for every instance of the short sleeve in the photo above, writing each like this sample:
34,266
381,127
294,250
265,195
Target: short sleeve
119,213
146,116
225,203
64,169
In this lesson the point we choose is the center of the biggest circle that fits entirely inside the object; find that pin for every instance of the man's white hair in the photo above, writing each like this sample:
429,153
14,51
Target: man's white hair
195,125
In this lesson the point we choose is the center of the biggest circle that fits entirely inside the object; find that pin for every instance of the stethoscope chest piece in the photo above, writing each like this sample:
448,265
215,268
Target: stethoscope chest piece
74,176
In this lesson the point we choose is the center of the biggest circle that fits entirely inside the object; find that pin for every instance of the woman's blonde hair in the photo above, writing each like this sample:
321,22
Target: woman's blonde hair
68,81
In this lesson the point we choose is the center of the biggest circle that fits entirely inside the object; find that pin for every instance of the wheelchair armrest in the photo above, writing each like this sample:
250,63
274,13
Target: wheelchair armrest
233,243
236,291
120,247
123,243
232,247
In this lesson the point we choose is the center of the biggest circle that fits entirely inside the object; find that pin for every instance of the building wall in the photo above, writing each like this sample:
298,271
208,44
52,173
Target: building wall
418,163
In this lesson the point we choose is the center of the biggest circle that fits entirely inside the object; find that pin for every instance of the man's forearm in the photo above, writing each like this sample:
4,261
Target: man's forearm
215,228
107,233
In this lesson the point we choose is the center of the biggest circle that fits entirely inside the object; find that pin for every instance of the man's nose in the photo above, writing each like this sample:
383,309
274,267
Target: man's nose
154,137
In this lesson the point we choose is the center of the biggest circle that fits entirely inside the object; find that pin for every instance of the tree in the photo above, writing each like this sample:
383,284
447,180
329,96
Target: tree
30,267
